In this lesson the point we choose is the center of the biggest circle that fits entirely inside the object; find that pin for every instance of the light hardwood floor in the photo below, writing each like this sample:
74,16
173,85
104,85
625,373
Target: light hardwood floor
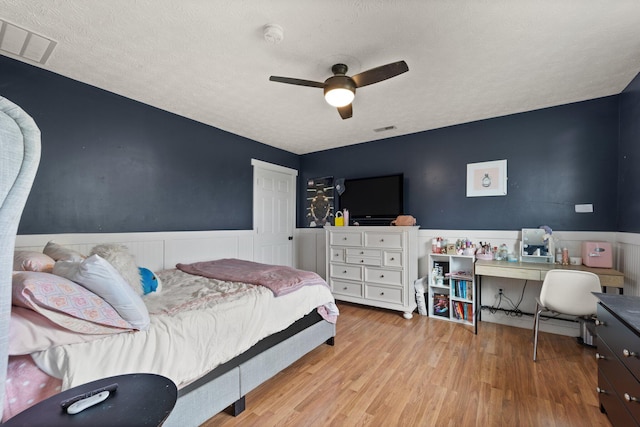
388,371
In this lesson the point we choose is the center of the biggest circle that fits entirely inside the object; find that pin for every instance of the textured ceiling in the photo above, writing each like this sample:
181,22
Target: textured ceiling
468,59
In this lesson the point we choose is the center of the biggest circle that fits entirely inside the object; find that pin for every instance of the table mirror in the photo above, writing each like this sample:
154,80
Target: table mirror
534,247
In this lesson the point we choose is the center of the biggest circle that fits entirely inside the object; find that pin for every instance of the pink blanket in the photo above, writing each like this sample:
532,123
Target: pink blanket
26,385
280,279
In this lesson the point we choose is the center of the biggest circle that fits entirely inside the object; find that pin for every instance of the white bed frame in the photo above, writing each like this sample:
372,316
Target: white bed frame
162,250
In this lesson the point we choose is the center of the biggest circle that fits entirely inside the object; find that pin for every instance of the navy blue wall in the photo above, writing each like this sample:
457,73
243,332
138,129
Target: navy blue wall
557,157
110,164
629,158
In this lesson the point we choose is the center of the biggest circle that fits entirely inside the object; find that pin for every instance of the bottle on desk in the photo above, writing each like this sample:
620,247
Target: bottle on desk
565,256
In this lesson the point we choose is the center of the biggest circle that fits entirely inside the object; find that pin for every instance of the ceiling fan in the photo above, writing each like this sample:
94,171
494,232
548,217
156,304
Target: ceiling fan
340,89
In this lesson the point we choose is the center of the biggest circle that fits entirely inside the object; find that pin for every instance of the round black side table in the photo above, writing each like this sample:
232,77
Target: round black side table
140,400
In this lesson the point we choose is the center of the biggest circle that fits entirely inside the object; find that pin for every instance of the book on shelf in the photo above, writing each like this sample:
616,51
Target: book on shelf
441,305
462,311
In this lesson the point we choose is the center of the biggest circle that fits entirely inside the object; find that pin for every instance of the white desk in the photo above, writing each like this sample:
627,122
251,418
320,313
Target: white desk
537,271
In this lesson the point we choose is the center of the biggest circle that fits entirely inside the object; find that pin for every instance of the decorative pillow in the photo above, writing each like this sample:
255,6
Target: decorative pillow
32,261
100,277
62,253
65,303
30,331
119,257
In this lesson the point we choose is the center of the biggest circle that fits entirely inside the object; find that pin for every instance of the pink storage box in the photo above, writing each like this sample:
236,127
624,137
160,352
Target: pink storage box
597,254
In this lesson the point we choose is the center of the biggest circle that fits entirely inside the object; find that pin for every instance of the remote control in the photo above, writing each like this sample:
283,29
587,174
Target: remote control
68,402
83,404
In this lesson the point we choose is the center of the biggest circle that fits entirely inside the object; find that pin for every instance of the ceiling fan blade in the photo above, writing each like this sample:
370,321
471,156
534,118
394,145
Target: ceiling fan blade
346,112
298,82
380,73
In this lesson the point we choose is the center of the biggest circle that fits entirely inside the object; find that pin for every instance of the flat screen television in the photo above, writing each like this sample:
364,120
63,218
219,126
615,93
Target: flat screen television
373,201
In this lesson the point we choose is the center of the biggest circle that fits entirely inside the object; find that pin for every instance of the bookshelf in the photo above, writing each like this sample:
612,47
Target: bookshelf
452,290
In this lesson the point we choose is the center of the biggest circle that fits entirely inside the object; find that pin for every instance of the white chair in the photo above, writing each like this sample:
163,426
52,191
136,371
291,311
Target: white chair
19,158
566,292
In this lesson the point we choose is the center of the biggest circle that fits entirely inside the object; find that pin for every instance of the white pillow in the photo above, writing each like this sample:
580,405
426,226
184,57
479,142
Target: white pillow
62,253
119,257
101,278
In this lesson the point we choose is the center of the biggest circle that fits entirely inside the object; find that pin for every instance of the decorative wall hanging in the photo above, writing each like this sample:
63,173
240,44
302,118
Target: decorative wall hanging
487,179
319,201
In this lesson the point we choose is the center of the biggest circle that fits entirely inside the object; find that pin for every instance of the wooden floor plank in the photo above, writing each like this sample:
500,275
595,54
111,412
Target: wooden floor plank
386,370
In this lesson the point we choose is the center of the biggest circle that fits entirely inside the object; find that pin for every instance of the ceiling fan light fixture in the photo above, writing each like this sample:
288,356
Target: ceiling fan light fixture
339,91
339,96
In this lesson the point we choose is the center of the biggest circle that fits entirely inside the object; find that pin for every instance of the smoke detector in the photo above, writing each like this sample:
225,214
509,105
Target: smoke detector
273,33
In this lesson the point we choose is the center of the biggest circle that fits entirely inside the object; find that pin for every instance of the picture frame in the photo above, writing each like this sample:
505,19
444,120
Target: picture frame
320,202
487,179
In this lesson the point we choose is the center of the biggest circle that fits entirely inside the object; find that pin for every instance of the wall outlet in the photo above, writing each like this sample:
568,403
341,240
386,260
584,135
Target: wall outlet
585,208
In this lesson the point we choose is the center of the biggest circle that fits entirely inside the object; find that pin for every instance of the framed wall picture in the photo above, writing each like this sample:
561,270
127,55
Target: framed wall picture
319,201
487,179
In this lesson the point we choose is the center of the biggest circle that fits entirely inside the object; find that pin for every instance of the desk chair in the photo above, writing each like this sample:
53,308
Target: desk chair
566,292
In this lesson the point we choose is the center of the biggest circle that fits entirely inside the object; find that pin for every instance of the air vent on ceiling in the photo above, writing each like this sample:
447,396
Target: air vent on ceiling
24,44
384,129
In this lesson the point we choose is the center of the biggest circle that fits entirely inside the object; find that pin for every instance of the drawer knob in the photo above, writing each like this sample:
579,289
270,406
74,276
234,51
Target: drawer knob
344,289
381,293
599,322
630,398
361,252
393,259
361,260
599,356
627,353
600,390
382,276
344,272
344,238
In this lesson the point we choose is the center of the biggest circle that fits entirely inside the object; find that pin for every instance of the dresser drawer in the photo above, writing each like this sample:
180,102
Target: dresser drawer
364,261
623,383
620,339
613,406
350,272
346,239
379,275
383,240
360,252
392,259
346,288
380,293
337,255
363,256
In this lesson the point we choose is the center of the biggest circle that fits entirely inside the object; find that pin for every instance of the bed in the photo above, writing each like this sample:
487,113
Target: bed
239,333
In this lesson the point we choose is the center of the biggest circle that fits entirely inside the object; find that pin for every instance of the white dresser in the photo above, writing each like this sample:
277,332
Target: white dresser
374,266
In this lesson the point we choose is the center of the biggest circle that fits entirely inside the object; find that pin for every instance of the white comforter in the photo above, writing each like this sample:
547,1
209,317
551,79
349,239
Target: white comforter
195,326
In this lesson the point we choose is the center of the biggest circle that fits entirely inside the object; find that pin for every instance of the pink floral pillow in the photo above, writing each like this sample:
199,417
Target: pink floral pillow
66,303
32,261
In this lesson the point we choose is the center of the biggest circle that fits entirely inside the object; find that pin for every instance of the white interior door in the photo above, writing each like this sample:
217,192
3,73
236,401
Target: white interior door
274,210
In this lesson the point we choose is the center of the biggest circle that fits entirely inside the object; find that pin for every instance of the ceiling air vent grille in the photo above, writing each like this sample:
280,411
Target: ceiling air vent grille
24,44
384,129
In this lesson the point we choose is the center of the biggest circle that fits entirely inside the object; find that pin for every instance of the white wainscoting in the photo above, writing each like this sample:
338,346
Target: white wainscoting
164,249
626,248
159,250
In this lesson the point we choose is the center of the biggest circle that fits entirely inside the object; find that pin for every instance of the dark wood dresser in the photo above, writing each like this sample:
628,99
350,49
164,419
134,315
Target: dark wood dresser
618,329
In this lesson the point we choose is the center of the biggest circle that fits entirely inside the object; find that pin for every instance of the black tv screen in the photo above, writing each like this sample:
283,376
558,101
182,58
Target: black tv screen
375,200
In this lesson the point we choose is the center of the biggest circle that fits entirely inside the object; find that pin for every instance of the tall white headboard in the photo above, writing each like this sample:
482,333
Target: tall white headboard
156,250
